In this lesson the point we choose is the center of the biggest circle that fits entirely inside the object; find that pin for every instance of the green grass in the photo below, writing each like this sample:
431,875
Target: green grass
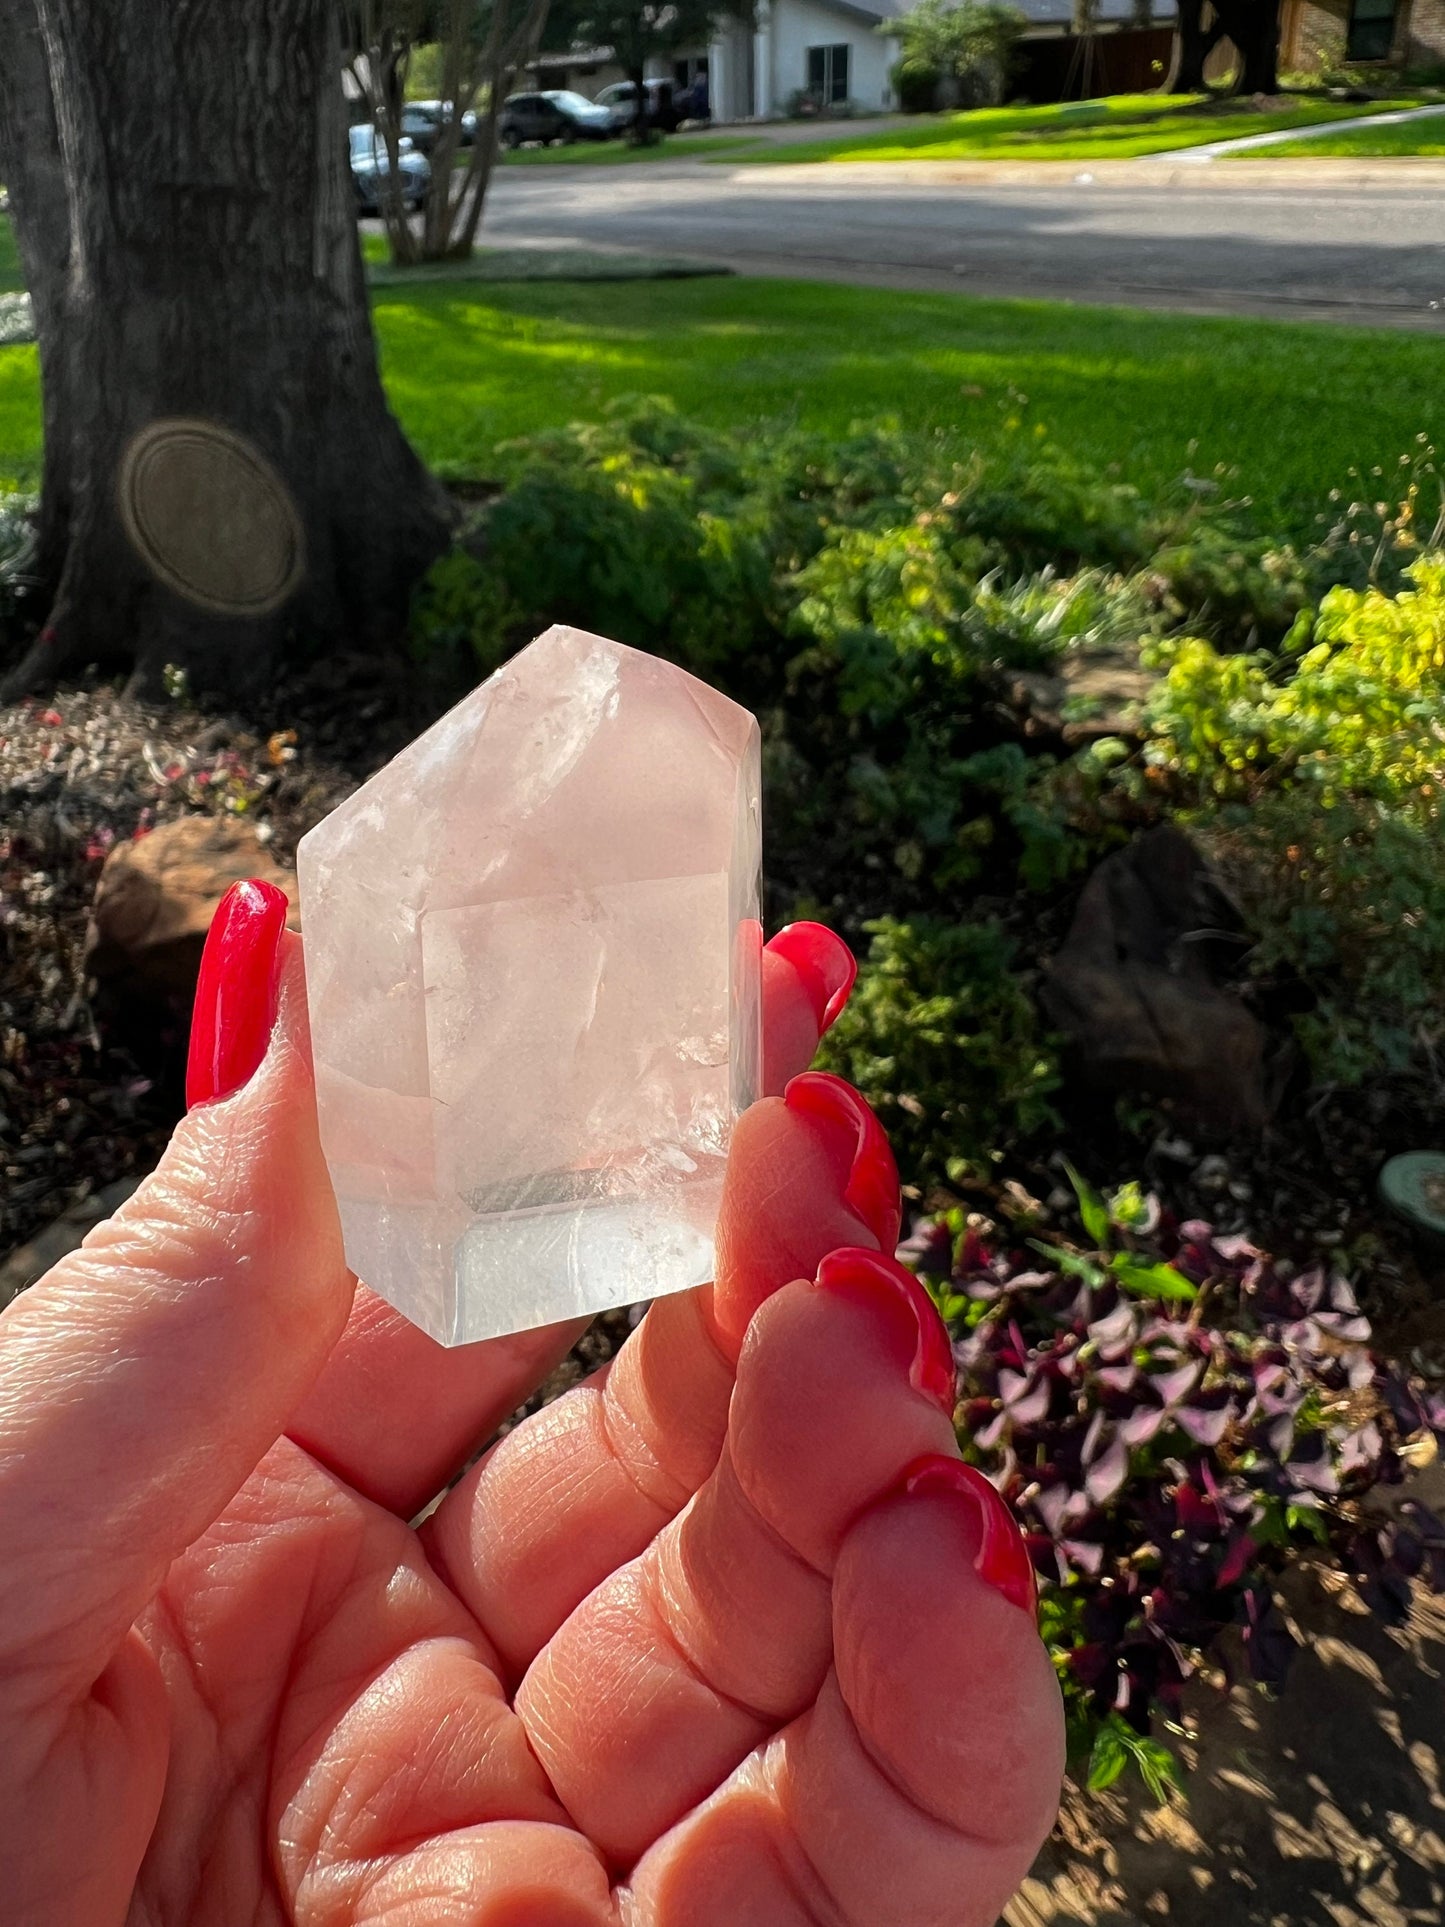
1120,128
1116,387
470,365
1423,137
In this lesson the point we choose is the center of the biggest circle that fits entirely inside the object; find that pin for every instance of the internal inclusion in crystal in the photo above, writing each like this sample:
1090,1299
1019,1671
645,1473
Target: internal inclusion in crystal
534,960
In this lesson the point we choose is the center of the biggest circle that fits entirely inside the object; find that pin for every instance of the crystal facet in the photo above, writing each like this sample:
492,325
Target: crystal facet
533,954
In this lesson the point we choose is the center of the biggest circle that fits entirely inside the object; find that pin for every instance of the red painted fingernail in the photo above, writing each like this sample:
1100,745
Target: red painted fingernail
872,1187
1001,1557
235,992
825,965
885,1286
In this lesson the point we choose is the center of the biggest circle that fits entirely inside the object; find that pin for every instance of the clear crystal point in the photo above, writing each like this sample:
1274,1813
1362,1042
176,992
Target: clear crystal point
533,954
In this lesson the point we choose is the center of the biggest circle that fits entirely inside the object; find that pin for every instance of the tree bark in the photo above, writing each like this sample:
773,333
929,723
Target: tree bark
30,154
1254,27
231,483
1194,42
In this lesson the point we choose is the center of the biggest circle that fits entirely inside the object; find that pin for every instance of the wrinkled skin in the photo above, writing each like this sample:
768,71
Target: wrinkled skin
670,1653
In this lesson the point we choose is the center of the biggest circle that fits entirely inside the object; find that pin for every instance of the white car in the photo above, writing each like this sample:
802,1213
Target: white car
370,165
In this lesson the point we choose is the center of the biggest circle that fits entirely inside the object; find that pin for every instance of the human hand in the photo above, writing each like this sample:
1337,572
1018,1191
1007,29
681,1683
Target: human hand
684,1647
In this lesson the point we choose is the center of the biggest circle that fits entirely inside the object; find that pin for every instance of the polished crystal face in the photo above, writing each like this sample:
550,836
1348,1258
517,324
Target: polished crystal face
533,954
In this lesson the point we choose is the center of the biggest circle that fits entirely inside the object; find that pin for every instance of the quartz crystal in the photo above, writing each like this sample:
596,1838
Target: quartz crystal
533,957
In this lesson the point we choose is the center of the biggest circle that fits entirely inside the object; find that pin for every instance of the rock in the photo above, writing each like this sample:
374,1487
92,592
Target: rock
156,896
1142,990
31,1261
1086,695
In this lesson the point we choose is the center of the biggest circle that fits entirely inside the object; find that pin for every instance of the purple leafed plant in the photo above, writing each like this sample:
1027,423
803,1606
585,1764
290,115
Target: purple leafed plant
1174,1415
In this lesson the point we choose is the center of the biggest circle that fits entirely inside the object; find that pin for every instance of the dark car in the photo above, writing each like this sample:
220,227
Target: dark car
558,115
422,122
663,110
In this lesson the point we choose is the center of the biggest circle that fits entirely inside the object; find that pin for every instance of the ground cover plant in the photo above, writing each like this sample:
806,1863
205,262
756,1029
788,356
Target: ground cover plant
1174,1415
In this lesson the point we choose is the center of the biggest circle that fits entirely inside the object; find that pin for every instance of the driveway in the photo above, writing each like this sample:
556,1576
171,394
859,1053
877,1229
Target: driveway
1316,240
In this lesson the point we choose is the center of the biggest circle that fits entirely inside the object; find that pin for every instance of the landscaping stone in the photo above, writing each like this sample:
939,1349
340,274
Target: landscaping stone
1141,988
1085,696
156,897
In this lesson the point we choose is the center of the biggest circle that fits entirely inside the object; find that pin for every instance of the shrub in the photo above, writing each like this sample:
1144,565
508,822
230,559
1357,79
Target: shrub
1315,778
942,1040
1174,1416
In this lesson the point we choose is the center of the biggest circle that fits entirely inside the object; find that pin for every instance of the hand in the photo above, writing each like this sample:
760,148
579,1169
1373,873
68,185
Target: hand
684,1647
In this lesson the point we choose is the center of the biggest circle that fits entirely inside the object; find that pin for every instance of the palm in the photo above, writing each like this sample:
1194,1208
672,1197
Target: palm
677,1650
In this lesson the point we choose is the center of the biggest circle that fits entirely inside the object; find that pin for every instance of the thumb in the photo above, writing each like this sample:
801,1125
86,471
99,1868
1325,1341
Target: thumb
143,1378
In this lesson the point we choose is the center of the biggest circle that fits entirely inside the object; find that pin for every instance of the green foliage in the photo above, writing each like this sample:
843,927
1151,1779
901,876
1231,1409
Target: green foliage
1117,1746
875,601
1315,777
968,42
943,1040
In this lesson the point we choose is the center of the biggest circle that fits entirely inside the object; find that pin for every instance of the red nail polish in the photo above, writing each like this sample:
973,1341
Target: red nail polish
1002,1558
887,1287
825,965
235,992
872,1187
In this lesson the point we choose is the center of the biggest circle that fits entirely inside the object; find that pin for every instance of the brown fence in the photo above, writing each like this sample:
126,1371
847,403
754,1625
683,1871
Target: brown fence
1073,67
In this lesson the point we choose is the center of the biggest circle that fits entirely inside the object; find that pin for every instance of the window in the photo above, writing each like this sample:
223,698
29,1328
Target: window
1372,30
828,73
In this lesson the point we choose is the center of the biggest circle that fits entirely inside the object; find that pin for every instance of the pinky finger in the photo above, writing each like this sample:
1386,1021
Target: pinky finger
918,1787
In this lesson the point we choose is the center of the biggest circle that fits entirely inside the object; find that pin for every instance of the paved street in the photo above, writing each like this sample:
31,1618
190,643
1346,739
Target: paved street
1344,242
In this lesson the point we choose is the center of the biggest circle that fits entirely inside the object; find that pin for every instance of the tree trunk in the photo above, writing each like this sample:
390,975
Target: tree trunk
30,150
1194,42
1254,27
231,481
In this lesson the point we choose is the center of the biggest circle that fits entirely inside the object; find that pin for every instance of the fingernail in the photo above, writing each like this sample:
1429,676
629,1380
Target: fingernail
825,965
1000,1556
872,1187
235,992
892,1292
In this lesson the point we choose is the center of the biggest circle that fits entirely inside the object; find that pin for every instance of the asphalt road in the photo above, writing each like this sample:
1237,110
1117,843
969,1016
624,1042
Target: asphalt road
1343,244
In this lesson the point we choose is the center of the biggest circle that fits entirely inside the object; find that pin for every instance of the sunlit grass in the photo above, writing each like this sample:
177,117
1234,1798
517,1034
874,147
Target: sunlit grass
1120,128
1124,390
1425,136
469,366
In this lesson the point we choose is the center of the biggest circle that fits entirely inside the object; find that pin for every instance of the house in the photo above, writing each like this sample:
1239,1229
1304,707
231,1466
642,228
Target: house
832,52
1404,33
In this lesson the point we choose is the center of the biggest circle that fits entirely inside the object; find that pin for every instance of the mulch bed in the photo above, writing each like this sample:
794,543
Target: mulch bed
79,1107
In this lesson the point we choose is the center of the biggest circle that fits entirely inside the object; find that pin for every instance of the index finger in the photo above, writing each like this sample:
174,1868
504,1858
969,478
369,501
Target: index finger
394,1414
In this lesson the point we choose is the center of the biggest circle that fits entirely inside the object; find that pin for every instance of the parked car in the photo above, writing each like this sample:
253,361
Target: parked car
620,99
422,122
370,165
558,115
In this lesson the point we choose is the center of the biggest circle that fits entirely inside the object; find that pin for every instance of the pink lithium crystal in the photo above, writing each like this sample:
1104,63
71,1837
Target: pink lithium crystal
533,956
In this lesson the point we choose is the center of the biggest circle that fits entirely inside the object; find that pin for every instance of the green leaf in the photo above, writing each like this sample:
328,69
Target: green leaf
1108,1758
1158,1768
1092,1208
1151,1281
1127,1205
1071,1263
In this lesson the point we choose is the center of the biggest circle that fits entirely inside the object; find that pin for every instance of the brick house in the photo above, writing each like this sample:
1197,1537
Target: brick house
1405,33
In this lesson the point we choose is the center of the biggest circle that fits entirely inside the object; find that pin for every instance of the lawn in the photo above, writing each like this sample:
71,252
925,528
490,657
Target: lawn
469,368
1121,127
470,365
1425,136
